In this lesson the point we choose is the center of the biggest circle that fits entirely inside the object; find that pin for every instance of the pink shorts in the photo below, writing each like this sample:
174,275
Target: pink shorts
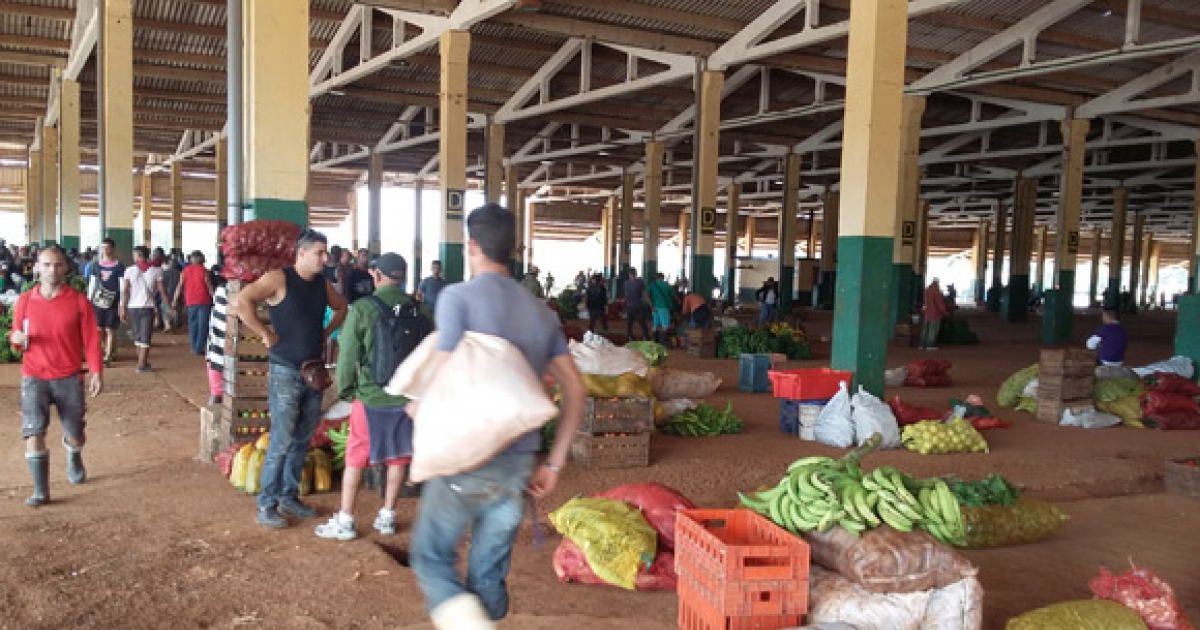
216,382
358,445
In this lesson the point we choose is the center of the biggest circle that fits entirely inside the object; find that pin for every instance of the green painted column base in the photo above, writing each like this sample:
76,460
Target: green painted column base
1111,301
787,284
1059,309
993,298
277,209
123,239
453,265
827,290
1192,283
902,293
730,286
860,325
978,286
702,274
918,290
622,276
1016,303
1187,328
70,242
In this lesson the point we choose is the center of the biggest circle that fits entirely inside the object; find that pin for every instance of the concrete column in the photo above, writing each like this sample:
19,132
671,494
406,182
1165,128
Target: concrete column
276,110
1152,276
1144,284
68,151
684,229
705,216
998,250
1060,306
1187,321
530,225
1194,250
829,248
870,182
1116,256
625,247
904,285
418,228
494,172
751,228
49,185
980,258
1135,257
146,213
512,192
1097,237
221,194
1024,213
787,232
456,52
352,215
616,287
814,234
177,204
375,205
652,214
33,197
921,265
1041,234
733,197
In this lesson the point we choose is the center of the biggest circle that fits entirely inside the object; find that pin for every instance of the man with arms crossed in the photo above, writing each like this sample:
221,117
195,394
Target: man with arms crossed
297,297
488,500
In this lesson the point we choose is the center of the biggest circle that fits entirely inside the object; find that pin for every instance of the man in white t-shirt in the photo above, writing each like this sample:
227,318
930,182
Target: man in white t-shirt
140,287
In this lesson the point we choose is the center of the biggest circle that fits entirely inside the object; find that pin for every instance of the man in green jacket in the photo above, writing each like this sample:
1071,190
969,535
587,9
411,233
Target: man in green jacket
380,431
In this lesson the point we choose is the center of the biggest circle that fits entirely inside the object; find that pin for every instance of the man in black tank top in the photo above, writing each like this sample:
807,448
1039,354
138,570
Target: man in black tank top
297,297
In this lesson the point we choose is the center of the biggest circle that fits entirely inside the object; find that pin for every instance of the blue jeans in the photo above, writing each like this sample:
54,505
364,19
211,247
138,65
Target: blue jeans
295,414
768,313
489,500
198,315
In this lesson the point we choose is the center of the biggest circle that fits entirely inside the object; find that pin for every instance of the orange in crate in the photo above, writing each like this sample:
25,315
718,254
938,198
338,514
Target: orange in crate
738,571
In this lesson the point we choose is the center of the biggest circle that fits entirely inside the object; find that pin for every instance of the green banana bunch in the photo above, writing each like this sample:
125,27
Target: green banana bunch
820,492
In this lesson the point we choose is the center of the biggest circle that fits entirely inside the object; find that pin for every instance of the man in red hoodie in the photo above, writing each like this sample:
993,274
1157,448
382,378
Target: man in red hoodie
55,326
935,310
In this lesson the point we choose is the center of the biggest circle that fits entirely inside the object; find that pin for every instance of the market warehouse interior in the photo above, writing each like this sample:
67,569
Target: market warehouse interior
979,216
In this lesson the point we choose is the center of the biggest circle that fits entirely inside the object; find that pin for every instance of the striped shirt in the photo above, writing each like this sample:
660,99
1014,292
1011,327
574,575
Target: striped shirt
216,330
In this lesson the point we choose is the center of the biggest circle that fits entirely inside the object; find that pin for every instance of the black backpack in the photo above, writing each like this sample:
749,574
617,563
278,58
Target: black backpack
398,332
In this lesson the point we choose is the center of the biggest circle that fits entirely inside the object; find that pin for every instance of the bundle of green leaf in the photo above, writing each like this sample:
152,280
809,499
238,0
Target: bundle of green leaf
7,353
655,353
568,304
77,282
992,490
704,421
739,340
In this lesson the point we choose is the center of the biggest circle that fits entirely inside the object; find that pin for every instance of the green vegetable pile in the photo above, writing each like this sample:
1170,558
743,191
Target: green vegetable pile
741,340
77,282
568,304
705,421
993,490
7,353
655,353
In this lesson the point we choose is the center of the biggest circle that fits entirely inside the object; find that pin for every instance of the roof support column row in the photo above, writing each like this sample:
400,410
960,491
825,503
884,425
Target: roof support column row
1116,253
652,214
733,195
176,205
704,215
1187,320
870,186
49,185
68,151
375,204
33,197
1016,307
116,154
147,209
904,285
452,164
625,247
1097,237
979,255
514,200
1060,307
1136,253
787,233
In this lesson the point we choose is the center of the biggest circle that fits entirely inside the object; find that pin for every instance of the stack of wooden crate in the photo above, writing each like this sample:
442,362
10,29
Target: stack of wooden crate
702,343
244,412
1066,380
615,433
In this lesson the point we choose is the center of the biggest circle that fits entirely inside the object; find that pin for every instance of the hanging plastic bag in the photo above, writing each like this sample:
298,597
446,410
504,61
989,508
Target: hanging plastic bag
872,416
835,423
1146,594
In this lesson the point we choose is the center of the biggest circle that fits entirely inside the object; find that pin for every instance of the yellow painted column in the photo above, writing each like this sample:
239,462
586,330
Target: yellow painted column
1147,253
1024,215
1000,222
221,194
705,219
375,205
814,234
625,247
512,193
68,151
979,257
652,212
277,110
606,235
146,214
530,230
614,237
494,174
1116,246
733,198
684,237
49,185
870,181
1135,255
1042,235
1093,291
751,228
1152,279
906,281
116,161
177,204
452,150
33,197
787,232
1060,307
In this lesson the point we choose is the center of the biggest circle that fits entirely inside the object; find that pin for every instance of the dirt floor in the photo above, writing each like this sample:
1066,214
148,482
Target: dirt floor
156,539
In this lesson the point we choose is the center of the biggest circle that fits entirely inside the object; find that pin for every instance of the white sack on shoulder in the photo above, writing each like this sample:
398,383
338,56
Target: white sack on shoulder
608,360
485,398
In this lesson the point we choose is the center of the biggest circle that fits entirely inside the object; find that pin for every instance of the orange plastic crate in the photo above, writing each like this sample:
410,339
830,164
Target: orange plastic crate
741,568
809,384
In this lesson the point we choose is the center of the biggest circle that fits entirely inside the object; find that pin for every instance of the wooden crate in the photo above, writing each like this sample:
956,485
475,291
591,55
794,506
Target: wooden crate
1180,479
1067,362
246,377
702,344
1051,411
617,415
1059,387
215,435
631,450
245,344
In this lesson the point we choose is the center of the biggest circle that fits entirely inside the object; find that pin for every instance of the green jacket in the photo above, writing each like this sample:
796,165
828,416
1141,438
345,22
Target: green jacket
356,347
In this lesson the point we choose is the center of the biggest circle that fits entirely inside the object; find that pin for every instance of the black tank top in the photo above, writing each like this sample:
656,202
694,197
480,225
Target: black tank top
299,320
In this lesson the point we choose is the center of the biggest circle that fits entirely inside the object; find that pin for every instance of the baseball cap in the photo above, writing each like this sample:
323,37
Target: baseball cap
391,265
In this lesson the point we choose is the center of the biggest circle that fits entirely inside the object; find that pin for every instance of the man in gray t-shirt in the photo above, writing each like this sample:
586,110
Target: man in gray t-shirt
428,290
636,306
490,499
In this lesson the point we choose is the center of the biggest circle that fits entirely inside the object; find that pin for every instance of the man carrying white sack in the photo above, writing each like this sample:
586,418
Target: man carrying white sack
489,498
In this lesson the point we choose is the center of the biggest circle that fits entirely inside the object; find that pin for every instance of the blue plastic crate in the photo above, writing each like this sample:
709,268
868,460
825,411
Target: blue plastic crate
789,413
752,373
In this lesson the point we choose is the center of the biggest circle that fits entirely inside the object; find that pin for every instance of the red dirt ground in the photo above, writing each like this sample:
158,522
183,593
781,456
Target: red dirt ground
156,539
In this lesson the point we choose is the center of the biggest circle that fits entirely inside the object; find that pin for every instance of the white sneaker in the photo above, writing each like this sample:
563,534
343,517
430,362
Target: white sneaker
385,523
461,612
337,529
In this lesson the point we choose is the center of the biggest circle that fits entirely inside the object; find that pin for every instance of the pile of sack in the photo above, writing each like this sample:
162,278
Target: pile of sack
928,373
848,421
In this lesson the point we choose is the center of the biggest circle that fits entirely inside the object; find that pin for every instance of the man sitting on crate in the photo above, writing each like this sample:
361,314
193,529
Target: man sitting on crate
380,332
297,297
488,500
